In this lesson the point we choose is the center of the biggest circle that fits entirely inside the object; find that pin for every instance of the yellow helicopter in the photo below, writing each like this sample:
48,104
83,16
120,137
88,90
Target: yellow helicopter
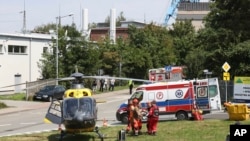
77,111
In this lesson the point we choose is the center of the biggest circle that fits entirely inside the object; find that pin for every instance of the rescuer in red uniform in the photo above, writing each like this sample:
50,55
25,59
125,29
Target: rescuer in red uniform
130,104
153,116
149,105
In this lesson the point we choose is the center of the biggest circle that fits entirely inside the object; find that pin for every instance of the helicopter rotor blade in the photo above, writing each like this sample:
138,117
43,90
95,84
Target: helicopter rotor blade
66,78
102,77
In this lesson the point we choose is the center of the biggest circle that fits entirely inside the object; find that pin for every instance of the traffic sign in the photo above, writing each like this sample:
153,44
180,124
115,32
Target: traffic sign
226,76
226,67
168,68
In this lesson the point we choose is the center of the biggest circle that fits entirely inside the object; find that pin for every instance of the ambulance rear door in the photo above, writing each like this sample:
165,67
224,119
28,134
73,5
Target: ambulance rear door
214,94
202,96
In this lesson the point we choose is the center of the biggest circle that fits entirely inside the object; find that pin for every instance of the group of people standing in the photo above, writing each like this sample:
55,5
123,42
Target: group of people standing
135,117
109,84
105,84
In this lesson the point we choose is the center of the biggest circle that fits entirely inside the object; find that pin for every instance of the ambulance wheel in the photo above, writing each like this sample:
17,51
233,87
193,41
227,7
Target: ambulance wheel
124,118
181,115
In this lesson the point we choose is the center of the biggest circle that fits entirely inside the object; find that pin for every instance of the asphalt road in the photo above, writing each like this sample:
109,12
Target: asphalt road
27,117
24,121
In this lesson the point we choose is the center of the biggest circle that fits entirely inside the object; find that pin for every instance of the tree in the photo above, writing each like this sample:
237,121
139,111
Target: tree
232,15
74,51
225,27
239,58
47,65
44,28
109,56
184,35
150,47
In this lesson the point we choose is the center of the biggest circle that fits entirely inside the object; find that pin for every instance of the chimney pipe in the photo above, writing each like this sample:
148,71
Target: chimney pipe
112,25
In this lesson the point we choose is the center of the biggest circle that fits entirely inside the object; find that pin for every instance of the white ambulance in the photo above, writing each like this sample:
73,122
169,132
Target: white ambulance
178,97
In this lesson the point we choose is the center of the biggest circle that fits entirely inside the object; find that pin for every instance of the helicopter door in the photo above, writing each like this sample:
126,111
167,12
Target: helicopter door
54,113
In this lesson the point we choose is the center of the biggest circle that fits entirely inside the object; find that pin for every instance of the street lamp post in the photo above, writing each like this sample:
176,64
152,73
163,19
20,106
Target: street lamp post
206,72
58,22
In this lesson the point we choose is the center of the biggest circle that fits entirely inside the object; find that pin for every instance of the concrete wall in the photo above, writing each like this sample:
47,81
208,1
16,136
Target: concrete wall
24,64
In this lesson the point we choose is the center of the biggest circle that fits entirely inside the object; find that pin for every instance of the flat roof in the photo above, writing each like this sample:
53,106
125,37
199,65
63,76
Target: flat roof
27,35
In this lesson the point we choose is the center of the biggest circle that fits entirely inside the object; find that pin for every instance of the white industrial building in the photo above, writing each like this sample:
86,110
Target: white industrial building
19,57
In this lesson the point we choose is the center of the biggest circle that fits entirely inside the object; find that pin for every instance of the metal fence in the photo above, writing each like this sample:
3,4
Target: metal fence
226,90
32,87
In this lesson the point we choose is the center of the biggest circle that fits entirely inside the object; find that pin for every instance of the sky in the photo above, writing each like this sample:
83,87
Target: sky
42,12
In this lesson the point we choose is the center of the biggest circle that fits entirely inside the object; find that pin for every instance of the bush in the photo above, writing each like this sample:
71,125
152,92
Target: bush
3,105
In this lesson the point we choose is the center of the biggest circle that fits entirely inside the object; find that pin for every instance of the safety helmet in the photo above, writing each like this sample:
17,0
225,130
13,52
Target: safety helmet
153,102
135,100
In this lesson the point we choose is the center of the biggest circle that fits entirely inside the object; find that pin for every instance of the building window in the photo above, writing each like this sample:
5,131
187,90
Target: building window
1,48
45,49
14,49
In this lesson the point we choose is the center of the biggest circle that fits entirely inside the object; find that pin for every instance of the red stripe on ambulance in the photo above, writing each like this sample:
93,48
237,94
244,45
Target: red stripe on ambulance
159,87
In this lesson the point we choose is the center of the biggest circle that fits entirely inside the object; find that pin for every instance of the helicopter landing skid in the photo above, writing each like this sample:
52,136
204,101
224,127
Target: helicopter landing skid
62,135
101,136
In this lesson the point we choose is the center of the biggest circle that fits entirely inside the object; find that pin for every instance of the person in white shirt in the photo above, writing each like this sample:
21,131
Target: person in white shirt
112,84
106,84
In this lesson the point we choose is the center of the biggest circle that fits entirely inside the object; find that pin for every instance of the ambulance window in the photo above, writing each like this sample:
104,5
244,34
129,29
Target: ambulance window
202,92
151,96
138,95
213,91
167,75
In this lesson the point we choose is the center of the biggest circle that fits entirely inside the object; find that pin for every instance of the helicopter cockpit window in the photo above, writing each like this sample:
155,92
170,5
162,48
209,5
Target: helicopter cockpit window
85,106
81,107
70,107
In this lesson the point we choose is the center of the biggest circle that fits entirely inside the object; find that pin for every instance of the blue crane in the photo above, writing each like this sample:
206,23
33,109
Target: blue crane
173,9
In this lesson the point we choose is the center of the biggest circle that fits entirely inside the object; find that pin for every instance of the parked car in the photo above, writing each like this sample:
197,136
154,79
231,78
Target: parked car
50,92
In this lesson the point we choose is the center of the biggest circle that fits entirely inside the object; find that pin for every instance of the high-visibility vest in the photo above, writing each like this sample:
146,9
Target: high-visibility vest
130,82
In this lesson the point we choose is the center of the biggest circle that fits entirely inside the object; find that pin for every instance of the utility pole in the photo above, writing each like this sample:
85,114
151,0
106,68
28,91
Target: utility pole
58,25
24,19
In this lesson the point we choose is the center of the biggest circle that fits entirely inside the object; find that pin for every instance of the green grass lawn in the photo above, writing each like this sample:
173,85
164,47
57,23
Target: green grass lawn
17,96
207,130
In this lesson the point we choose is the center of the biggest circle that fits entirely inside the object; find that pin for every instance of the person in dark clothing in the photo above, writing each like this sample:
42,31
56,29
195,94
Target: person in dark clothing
101,84
131,85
